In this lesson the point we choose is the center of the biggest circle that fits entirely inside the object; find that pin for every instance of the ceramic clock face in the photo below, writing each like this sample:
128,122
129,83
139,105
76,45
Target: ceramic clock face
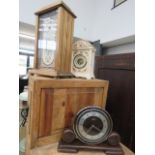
79,61
92,125
47,39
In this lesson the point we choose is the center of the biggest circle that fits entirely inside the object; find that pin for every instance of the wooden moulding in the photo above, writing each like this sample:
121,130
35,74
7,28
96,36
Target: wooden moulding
70,144
36,43
53,6
51,73
54,103
76,146
43,72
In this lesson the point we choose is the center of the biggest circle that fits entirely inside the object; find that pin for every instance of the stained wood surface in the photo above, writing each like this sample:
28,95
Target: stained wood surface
54,102
43,72
46,111
36,42
50,73
119,69
52,150
64,41
53,6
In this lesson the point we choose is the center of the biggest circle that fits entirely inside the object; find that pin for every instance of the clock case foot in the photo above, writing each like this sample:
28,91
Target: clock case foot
69,144
76,146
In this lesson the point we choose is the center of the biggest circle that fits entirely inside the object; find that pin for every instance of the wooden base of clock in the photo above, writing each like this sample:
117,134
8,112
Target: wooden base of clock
76,146
51,73
69,144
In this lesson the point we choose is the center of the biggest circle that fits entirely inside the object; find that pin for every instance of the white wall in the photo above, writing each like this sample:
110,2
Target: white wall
116,23
125,48
84,10
26,43
86,17
95,19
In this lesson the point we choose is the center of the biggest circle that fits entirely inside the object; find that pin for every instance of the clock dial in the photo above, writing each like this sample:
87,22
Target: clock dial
79,61
47,39
92,125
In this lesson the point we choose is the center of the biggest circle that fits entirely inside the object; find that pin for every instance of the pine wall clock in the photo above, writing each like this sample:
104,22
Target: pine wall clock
54,34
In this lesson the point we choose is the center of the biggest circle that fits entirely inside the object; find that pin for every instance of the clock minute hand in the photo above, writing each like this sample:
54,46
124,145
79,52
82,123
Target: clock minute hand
96,128
89,129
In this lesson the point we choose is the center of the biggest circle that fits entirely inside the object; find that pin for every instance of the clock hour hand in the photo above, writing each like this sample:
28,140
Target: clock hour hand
89,129
96,128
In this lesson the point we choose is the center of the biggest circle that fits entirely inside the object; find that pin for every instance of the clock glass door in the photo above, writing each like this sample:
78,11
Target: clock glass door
47,39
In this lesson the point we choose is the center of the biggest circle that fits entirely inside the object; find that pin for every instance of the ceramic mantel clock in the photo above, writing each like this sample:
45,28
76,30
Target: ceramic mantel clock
54,34
83,59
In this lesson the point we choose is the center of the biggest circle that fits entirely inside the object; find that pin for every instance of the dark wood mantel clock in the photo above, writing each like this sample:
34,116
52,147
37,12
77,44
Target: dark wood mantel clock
53,45
91,130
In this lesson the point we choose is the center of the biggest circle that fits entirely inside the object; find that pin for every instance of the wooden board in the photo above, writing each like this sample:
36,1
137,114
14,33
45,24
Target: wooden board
64,41
77,146
43,72
51,73
54,103
52,150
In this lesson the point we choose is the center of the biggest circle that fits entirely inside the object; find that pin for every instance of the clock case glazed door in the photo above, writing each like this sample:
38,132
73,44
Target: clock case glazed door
55,102
53,55
47,39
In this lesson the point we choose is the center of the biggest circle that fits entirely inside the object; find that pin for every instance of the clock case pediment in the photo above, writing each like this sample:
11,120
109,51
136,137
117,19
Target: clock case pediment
83,45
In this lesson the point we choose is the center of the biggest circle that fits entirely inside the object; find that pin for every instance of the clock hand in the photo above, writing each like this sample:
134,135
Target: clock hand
89,129
96,128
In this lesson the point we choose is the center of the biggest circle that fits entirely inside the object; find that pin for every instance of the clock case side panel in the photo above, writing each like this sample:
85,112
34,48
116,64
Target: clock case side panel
34,128
36,43
31,130
34,112
64,41
28,127
105,93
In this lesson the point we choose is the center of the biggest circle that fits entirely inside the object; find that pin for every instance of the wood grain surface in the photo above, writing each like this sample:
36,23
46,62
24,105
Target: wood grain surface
53,6
119,69
64,41
52,150
54,103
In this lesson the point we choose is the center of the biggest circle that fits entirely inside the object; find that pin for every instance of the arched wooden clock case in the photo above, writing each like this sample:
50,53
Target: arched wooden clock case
91,130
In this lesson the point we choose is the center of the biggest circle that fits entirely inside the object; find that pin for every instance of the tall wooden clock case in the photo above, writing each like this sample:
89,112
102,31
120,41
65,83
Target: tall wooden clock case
54,35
